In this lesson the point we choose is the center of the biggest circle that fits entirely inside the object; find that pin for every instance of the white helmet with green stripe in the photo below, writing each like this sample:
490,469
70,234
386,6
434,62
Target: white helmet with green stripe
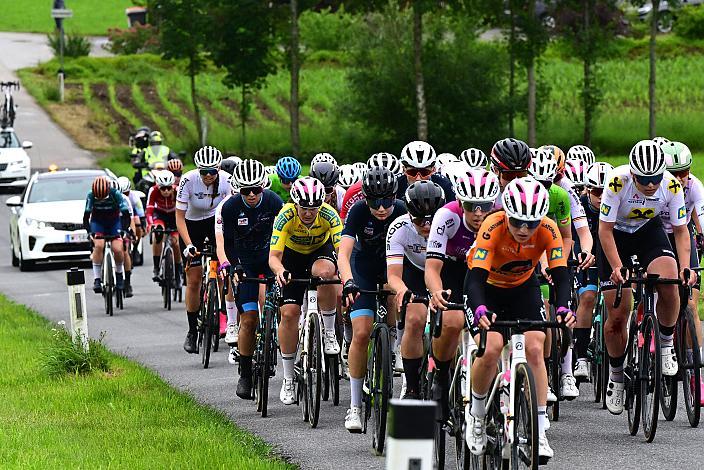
677,156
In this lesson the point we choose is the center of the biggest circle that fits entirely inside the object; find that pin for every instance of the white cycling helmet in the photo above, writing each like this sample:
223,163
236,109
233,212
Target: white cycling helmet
125,184
361,168
444,159
477,185
575,171
348,176
581,152
454,170
596,174
270,169
323,157
543,167
207,157
249,173
526,199
308,192
267,183
418,154
386,160
678,157
114,184
475,158
235,159
647,158
660,140
164,178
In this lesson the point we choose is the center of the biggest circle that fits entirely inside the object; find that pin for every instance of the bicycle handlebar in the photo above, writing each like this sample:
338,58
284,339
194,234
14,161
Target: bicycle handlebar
519,325
409,298
314,281
649,279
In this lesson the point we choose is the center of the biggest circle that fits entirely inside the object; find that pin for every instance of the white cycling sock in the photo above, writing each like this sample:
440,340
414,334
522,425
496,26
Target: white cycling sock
231,308
97,271
666,340
329,319
356,392
478,405
616,374
567,362
542,420
399,337
119,268
287,361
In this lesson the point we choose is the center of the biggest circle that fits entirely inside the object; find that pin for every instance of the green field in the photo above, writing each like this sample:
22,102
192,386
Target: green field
125,418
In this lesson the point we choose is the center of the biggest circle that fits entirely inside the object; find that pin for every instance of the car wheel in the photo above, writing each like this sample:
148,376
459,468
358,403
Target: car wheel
665,22
15,259
549,23
25,265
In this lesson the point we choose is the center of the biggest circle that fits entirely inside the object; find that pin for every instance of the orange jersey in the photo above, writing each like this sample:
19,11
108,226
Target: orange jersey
509,263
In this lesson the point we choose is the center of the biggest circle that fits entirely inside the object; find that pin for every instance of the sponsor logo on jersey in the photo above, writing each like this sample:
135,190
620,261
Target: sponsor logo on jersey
565,221
550,229
243,221
486,236
615,184
274,240
674,186
605,209
635,199
555,253
435,244
440,230
638,214
369,230
480,254
681,213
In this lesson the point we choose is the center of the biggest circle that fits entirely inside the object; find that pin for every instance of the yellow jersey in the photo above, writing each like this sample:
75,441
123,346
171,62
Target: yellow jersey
289,231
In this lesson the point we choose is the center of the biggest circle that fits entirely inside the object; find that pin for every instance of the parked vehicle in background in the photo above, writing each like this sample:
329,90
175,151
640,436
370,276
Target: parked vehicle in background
14,161
667,14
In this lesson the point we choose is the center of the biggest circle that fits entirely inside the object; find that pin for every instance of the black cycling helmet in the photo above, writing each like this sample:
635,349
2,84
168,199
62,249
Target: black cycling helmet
510,155
379,182
424,198
326,172
228,166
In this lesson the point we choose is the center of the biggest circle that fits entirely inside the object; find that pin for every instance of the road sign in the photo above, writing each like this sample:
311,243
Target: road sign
60,13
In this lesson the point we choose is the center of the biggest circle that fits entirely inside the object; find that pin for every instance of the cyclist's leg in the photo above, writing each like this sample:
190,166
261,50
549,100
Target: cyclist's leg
97,260
325,267
582,331
156,246
298,265
415,321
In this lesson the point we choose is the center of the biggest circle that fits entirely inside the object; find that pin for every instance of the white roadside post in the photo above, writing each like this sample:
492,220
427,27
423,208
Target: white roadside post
410,444
59,13
76,282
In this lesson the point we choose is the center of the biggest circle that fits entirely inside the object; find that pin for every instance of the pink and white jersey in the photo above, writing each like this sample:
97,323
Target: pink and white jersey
450,237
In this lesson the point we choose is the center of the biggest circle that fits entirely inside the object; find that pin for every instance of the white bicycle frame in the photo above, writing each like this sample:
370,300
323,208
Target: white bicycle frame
107,252
309,308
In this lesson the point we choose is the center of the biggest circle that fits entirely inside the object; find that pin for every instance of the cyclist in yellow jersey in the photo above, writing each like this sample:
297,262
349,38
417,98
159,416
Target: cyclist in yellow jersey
304,243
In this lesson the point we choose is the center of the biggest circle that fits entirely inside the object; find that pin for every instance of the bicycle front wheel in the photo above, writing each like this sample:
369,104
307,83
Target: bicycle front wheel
380,386
524,449
554,370
631,377
168,277
268,356
314,369
209,311
691,375
651,376
108,283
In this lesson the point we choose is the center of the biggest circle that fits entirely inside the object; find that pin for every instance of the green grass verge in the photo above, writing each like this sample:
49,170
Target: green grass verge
127,418
90,17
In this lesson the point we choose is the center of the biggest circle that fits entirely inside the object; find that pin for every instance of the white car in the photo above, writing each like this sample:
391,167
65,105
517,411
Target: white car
46,221
14,161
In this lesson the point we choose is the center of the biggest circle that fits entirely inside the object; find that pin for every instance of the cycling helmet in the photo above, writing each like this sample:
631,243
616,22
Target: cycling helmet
576,171
596,174
454,170
326,173
270,170
677,156
288,168
526,199
510,155
235,159
558,155
125,184
114,184
141,138
348,176
101,187
249,173
647,158
175,166
308,192
542,166
267,183
418,154
477,185
581,152
386,160
164,178
444,159
475,158
228,166
361,168
660,140
379,182
323,157
155,138
207,157
424,198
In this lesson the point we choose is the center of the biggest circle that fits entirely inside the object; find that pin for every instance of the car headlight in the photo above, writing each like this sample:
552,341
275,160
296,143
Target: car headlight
39,224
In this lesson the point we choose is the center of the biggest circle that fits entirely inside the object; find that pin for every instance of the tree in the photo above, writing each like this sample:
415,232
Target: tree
183,26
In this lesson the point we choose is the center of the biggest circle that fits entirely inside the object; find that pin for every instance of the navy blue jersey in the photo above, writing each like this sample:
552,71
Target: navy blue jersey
443,182
247,230
368,231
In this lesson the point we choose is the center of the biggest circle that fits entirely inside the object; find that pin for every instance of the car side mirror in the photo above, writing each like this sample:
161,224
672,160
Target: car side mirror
14,201
27,144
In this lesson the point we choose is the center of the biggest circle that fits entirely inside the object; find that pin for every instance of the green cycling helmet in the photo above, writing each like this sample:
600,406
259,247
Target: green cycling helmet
677,156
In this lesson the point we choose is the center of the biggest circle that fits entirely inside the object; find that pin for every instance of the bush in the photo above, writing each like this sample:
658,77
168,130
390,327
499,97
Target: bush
74,45
137,39
690,22
326,31
64,355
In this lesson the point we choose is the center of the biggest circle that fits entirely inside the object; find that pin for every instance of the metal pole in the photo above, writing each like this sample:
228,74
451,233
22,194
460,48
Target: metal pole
61,60
76,282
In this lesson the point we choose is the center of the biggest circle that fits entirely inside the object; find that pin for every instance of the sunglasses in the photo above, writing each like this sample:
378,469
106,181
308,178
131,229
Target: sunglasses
414,172
422,221
529,224
287,180
177,173
646,180
475,206
309,209
251,190
209,172
166,188
512,175
596,192
329,190
680,173
384,202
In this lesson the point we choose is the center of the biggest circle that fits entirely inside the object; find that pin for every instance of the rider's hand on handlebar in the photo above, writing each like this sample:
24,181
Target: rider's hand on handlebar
586,260
481,317
567,316
350,292
190,251
282,277
438,299
692,277
617,277
545,272
224,269
400,294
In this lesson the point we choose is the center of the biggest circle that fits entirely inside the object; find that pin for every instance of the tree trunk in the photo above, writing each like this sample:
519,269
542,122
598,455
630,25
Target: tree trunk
531,104
194,100
587,84
420,83
511,72
294,105
244,115
651,80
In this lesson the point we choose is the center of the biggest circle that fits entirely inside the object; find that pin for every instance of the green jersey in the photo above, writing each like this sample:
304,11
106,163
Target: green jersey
559,210
278,188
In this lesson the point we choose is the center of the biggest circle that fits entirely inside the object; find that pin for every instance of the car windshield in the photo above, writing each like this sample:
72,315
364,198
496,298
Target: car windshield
8,140
60,189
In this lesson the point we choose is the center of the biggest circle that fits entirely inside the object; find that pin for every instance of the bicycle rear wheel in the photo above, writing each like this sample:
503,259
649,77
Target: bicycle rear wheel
380,386
691,373
652,375
524,449
631,378
209,311
463,456
554,370
313,371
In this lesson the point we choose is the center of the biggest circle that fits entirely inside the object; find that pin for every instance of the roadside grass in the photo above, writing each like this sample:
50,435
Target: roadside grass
90,17
125,418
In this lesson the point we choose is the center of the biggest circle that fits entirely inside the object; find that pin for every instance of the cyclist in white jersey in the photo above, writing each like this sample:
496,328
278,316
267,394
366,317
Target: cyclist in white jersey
199,193
406,243
630,224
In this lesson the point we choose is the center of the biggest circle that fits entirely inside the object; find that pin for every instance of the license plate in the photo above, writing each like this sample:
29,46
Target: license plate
76,237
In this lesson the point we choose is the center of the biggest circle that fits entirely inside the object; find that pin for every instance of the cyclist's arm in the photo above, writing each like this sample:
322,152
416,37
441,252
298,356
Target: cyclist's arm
182,227
219,237
275,261
443,227
343,260
678,220
151,205
608,214
566,233
394,274
329,214
86,221
279,235
557,262
586,242
475,287
608,244
682,245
